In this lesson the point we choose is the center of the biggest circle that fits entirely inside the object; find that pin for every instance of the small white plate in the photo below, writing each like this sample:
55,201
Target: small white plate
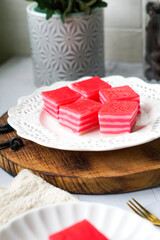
32,123
113,222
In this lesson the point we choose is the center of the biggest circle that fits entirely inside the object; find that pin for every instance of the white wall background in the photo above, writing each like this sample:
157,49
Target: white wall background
123,30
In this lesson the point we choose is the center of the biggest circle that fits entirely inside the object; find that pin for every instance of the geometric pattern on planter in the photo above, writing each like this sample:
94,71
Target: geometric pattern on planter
66,51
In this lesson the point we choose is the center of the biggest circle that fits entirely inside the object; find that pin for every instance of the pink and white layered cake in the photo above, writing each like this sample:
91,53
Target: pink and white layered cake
80,116
89,88
119,93
82,230
55,98
118,116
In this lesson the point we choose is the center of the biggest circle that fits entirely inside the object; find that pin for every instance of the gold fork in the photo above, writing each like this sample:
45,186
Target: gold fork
143,212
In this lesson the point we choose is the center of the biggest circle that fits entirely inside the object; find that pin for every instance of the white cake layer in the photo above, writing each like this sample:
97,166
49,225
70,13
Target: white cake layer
115,132
50,102
78,122
117,124
119,118
60,103
117,129
101,98
106,126
51,108
77,116
78,128
114,129
55,115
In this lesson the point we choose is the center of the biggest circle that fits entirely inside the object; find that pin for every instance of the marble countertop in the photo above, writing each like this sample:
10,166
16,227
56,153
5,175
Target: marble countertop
16,80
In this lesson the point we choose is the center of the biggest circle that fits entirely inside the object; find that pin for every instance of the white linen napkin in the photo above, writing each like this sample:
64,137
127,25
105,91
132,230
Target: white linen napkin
28,191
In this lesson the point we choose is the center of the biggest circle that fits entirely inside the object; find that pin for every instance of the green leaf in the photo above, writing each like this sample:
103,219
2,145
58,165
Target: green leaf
82,5
90,3
102,4
49,13
69,7
63,16
66,7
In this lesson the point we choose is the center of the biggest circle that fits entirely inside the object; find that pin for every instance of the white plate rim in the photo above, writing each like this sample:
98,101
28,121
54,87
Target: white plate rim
84,147
112,210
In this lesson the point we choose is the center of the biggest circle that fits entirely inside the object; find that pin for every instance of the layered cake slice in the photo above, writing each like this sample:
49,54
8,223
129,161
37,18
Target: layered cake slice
119,93
55,98
82,230
80,116
89,88
118,116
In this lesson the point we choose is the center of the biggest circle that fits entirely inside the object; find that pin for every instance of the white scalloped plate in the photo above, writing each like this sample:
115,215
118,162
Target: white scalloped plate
32,123
113,222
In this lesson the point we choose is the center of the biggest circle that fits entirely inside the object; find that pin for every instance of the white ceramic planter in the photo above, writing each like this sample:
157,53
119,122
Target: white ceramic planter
66,51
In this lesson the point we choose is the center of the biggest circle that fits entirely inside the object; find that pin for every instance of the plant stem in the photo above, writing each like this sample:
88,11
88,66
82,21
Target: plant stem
91,3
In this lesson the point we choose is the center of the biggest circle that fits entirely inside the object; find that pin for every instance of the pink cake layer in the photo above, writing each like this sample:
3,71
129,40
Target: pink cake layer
82,230
79,126
117,119
51,110
119,93
103,100
79,129
58,97
80,109
55,110
89,88
80,115
117,130
79,123
109,124
120,109
76,116
118,116
50,103
52,113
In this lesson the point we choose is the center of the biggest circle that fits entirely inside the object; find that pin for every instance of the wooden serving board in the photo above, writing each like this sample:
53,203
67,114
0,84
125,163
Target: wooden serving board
117,171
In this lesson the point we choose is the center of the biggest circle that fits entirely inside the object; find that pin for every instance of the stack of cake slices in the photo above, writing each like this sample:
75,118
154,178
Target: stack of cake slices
80,116
89,88
119,93
91,103
117,116
55,98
